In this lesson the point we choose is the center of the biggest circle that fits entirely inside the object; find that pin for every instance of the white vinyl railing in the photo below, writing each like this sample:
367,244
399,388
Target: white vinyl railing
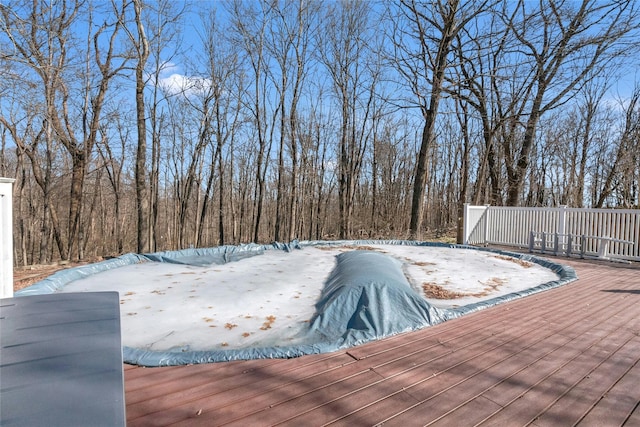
6,238
513,226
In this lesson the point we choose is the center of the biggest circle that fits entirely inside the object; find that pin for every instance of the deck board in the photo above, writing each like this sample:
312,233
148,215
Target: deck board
564,356
618,402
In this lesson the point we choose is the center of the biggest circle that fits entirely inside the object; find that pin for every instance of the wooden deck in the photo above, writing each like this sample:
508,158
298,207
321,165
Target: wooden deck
563,357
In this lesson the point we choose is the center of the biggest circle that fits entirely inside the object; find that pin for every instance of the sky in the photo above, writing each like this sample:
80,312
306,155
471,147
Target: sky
176,73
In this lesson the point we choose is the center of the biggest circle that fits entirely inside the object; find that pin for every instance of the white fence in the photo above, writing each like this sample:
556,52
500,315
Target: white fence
512,226
6,237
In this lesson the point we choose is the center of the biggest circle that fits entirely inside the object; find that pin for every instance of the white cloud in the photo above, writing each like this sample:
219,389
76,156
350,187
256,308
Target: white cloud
173,80
179,83
170,67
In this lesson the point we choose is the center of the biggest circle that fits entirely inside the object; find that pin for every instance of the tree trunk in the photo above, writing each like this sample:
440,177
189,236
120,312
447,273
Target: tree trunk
515,182
430,112
142,192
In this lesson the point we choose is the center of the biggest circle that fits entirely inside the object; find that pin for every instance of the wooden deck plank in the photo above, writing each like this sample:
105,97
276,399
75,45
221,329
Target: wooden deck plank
438,404
502,372
366,415
524,377
293,404
436,358
404,382
332,412
472,413
568,354
634,418
227,396
619,402
490,375
144,382
579,400
226,383
581,338
534,402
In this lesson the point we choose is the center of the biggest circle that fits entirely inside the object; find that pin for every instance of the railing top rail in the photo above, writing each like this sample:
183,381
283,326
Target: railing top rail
562,208
605,210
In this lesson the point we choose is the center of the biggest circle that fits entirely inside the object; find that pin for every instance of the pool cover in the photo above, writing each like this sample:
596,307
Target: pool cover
366,297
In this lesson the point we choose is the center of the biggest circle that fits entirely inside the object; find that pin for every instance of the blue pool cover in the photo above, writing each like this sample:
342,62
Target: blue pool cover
366,297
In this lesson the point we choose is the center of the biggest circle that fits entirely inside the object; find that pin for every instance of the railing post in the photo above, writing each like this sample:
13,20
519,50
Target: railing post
531,240
465,224
603,248
486,224
562,218
6,237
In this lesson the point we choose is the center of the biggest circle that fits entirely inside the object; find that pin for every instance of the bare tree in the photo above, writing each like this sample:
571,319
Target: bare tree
42,40
477,82
343,48
569,135
305,119
588,111
112,149
218,64
164,41
423,39
249,32
563,42
140,43
291,31
625,156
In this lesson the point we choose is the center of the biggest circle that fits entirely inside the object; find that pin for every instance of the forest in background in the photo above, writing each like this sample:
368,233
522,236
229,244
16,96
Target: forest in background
138,125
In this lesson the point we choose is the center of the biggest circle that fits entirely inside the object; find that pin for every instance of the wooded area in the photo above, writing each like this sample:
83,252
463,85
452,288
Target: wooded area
136,125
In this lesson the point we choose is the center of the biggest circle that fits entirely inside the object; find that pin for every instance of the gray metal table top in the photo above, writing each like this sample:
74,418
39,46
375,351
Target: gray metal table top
61,360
